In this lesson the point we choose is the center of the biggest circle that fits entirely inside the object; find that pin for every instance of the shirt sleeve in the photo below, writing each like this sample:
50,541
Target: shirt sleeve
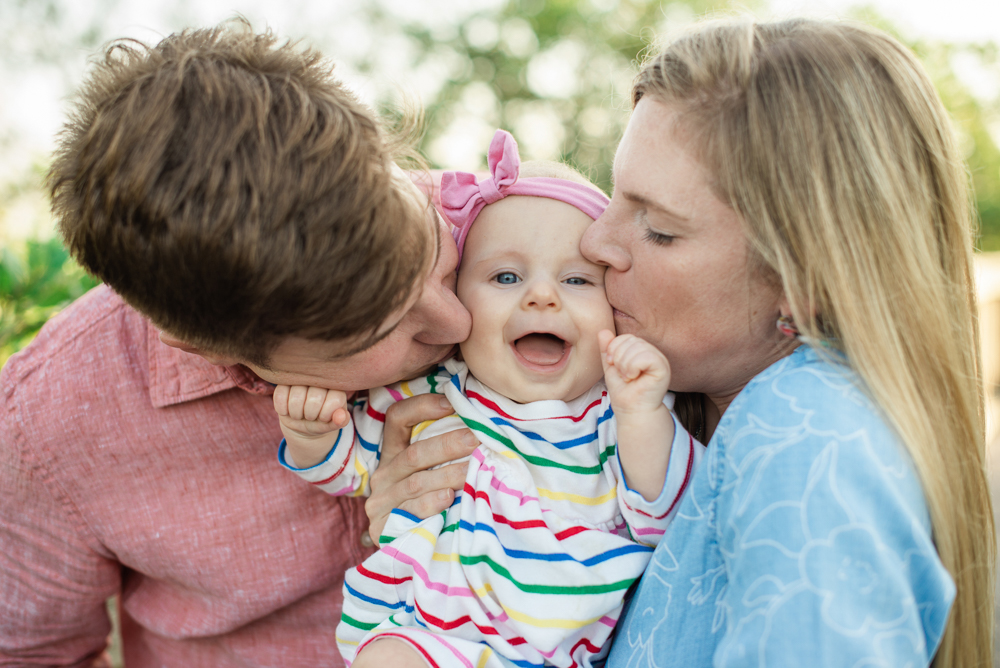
53,581
823,530
349,465
347,468
647,520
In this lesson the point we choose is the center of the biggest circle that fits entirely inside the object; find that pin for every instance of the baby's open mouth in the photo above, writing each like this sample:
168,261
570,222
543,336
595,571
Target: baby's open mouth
541,349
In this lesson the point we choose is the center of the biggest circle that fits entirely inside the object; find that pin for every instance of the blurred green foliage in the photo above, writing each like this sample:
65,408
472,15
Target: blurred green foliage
36,281
496,61
489,59
605,40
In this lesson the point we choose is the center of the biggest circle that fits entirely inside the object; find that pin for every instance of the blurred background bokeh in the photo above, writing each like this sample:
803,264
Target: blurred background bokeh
557,73
554,72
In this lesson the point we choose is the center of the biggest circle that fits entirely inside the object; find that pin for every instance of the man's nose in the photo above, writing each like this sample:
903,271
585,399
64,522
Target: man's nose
445,319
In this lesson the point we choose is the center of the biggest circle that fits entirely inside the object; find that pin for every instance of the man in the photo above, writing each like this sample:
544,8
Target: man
250,227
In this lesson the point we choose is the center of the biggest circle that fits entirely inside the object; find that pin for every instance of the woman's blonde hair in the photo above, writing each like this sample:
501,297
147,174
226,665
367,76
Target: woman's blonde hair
830,142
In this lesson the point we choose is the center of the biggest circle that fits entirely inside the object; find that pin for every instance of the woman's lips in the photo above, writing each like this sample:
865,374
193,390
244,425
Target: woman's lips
621,314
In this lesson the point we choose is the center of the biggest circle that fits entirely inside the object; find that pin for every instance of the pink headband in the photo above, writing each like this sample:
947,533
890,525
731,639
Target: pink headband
462,197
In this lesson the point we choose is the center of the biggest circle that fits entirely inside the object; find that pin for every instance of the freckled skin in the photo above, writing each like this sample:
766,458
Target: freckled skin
678,273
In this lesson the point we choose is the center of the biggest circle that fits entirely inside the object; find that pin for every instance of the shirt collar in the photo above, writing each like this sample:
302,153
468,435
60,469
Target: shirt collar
176,376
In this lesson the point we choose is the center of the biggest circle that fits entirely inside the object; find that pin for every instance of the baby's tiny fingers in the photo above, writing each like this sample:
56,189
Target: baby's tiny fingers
622,347
604,338
296,401
635,362
280,399
333,400
637,356
340,417
313,404
621,343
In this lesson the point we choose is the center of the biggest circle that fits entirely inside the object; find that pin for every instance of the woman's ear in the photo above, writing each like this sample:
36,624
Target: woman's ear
211,358
784,307
786,323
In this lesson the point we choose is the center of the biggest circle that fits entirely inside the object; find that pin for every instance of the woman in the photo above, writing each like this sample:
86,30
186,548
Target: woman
801,174
805,173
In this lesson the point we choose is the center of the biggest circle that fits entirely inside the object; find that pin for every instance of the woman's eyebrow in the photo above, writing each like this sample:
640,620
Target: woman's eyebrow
650,204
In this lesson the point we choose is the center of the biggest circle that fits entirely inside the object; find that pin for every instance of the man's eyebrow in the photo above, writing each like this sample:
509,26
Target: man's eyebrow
650,204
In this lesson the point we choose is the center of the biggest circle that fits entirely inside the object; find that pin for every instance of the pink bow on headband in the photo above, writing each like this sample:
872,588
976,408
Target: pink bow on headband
463,197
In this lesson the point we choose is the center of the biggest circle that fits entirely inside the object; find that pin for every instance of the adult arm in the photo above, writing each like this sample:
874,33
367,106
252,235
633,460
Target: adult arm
53,580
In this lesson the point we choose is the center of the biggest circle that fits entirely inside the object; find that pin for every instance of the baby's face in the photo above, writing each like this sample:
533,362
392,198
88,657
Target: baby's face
537,304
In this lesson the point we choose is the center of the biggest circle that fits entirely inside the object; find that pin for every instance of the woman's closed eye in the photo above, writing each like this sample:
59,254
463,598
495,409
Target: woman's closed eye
658,238
507,278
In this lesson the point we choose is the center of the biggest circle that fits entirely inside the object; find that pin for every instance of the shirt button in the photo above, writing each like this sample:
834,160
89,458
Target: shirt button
366,540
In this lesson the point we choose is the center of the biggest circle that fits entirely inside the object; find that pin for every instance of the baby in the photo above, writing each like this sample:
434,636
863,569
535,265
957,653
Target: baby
568,491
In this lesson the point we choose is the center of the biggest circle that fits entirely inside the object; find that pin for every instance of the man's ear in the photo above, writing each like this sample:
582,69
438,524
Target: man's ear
211,358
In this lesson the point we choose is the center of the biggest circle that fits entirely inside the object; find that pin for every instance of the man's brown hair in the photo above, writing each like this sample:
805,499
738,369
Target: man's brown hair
227,187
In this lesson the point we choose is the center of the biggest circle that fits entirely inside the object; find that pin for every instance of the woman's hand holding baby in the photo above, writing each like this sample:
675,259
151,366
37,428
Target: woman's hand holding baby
310,418
638,376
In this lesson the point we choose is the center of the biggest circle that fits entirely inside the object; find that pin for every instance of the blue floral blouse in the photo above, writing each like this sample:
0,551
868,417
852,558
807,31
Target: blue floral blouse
804,540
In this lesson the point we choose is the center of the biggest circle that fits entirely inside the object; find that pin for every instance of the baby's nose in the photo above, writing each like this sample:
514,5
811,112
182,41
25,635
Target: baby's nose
541,294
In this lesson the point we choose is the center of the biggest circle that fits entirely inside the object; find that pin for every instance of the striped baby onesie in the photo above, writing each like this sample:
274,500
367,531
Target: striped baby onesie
529,565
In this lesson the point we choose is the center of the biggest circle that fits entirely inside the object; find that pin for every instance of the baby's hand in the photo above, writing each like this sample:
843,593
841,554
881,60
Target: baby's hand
310,412
636,373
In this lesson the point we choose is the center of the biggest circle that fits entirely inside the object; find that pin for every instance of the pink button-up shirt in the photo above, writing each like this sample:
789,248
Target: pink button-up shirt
130,467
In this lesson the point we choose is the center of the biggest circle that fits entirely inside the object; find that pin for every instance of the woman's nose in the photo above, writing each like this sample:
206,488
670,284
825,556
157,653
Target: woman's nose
601,243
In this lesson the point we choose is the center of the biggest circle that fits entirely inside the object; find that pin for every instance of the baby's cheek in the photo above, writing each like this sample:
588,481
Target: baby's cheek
592,370
477,358
609,317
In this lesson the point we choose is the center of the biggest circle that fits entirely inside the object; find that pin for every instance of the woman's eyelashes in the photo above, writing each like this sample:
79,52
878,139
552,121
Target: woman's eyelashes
658,238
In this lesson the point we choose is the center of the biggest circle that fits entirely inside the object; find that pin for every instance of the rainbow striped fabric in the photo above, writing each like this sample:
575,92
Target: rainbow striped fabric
530,564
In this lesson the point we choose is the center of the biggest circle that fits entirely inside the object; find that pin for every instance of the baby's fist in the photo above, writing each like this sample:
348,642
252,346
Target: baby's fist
636,372
309,412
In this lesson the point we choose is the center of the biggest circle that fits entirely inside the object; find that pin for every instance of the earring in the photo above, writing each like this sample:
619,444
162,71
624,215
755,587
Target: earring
787,326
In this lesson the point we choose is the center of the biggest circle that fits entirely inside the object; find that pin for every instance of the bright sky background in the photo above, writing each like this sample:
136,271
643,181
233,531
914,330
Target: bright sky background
32,95
949,20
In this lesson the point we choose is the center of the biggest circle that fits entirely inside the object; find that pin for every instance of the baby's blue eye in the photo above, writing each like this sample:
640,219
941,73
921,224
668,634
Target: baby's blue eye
576,281
506,278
